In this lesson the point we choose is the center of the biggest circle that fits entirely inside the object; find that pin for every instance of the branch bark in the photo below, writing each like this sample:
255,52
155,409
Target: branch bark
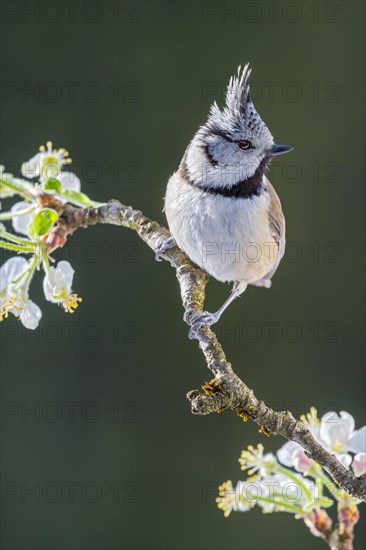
226,390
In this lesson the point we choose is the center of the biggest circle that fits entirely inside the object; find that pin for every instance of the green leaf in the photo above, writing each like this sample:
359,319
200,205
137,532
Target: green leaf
52,184
43,221
80,199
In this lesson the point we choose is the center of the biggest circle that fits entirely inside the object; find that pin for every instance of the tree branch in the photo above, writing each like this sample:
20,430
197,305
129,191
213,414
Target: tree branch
226,390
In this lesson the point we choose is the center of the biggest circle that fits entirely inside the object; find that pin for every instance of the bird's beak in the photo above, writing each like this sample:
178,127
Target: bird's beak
280,150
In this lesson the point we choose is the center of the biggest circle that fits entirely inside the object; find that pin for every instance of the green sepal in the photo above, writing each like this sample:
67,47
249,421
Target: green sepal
322,502
52,184
325,502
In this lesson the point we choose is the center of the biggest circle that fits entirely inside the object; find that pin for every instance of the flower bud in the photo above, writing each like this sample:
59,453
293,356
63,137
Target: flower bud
359,464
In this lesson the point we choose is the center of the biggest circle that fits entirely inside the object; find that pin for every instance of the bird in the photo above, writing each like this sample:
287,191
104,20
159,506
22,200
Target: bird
221,208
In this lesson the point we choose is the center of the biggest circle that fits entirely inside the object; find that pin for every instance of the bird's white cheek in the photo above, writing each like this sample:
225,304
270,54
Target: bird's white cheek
250,163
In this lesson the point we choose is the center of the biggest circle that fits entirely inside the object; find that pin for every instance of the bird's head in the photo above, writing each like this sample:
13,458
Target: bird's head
234,145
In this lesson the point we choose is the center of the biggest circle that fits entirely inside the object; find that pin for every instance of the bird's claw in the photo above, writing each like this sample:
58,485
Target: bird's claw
200,320
164,246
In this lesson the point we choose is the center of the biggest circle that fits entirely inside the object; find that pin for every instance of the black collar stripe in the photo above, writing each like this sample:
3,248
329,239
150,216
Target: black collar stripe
246,189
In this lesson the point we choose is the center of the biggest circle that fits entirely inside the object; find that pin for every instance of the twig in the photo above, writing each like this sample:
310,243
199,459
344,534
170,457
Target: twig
339,536
226,390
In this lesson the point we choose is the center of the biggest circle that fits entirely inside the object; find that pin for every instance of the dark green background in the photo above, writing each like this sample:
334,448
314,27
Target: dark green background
159,57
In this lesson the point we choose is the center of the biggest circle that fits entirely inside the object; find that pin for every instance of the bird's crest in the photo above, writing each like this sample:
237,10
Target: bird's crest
239,113
237,93
236,104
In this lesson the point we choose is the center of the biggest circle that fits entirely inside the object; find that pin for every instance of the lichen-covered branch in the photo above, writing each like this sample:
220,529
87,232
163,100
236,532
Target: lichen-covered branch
226,390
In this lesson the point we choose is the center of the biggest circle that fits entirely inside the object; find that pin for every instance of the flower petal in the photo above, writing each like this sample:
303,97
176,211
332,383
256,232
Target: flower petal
69,181
301,462
32,168
30,315
63,274
286,452
57,281
12,269
335,429
348,421
344,458
357,441
21,223
48,288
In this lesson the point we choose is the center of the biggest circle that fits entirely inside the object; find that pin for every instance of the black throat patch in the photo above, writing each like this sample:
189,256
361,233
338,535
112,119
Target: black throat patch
245,189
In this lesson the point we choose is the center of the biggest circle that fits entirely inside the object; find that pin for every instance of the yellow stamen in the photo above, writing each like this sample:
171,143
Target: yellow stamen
337,446
311,417
226,499
250,457
6,306
251,478
70,302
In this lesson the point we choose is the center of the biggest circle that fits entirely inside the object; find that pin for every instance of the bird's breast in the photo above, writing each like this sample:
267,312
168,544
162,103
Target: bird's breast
228,237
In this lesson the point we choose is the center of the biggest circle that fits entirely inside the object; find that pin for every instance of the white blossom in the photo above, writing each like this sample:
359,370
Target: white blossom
293,456
275,492
47,163
255,461
334,432
233,500
338,435
14,292
57,286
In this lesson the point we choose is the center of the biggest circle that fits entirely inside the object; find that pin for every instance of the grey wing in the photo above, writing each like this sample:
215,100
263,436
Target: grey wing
277,226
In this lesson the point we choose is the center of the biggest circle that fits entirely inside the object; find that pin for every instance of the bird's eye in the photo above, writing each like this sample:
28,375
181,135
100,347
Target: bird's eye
244,144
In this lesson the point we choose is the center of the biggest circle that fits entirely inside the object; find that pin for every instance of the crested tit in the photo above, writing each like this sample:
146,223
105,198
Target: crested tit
221,209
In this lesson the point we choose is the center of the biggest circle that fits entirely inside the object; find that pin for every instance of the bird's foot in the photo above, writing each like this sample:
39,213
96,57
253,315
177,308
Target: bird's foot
164,246
200,320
